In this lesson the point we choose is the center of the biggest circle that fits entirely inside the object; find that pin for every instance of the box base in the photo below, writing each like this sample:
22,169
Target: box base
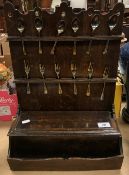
72,164
70,141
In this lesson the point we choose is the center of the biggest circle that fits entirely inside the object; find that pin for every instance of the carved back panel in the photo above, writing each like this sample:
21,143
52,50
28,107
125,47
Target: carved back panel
78,52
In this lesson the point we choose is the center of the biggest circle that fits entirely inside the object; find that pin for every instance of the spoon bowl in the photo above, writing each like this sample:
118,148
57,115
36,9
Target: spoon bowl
95,22
75,25
38,25
113,22
20,26
61,27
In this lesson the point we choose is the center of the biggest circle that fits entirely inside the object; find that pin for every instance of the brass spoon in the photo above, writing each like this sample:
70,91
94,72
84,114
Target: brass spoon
21,29
38,26
60,30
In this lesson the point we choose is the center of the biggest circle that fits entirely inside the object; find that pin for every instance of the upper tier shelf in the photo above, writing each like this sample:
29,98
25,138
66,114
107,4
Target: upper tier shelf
65,23
64,38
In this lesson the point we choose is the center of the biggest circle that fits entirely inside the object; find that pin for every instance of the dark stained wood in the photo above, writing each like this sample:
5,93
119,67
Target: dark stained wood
66,38
58,137
65,126
50,21
72,164
54,123
64,80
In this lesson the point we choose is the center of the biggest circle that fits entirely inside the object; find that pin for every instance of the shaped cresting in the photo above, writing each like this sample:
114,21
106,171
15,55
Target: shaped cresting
69,55
72,22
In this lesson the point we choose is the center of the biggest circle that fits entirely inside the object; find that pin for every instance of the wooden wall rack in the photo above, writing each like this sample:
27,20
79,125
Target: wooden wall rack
65,68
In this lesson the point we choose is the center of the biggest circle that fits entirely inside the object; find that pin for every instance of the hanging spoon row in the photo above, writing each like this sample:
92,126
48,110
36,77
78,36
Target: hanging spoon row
74,53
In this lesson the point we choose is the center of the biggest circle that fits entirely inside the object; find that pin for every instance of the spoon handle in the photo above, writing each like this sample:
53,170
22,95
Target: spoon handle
60,89
102,94
89,48
45,89
88,93
106,48
53,48
40,48
74,48
23,48
75,88
28,89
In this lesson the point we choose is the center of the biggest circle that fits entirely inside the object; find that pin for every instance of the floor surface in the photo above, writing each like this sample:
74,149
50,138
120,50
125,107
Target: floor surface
5,170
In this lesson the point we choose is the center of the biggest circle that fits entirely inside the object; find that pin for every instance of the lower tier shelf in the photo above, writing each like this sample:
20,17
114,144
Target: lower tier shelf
65,141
